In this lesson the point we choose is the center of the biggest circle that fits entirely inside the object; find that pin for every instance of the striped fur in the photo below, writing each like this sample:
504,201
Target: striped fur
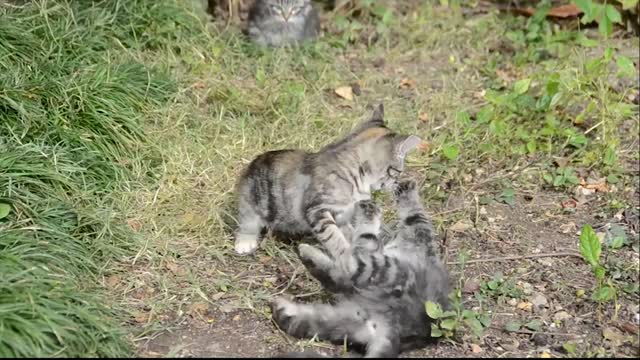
380,289
296,192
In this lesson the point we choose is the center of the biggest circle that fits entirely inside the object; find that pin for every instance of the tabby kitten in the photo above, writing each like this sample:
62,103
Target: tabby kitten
282,22
380,288
298,193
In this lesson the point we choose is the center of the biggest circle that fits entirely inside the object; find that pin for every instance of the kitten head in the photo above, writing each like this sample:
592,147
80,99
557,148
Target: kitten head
383,151
285,10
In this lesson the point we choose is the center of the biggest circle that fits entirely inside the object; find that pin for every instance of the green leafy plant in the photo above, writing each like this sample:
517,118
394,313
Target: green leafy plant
604,14
460,319
590,249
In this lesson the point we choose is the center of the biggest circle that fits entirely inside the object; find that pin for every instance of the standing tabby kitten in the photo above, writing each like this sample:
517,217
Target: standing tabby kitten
380,289
296,192
282,22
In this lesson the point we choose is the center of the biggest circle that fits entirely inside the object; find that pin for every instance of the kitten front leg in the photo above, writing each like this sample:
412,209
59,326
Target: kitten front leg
249,232
324,269
328,233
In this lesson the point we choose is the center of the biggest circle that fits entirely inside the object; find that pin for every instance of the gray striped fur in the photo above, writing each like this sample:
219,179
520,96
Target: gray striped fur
297,192
380,289
282,22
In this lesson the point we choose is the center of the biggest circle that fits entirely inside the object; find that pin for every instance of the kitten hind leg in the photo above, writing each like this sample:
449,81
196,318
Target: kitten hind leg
251,226
335,323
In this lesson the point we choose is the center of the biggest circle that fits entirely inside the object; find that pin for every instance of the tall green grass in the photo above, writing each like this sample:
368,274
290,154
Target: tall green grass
72,100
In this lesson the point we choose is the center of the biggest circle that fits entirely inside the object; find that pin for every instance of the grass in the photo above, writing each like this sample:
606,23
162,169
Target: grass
126,125
71,106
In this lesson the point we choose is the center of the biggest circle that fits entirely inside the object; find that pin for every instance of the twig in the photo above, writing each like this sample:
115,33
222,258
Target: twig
518,257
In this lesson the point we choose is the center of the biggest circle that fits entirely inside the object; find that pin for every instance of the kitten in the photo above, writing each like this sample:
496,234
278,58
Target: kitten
301,193
282,22
380,288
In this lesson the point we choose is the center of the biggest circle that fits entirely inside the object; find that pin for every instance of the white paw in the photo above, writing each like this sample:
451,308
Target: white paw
284,306
246,244
306,250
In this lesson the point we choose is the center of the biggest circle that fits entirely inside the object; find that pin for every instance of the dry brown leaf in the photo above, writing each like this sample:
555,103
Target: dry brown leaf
113,280
461,226
628,327
476,349
199,85
345,92
569,204
599,185
134,224
562,11
264,259
407,83
525,306
423,116
198,308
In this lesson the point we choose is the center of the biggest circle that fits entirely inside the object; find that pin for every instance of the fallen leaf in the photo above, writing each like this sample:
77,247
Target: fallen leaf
407,83
113,280
461,226
198,308
561,12
545,355
134,224
476,349
199,85
525,306
423,116
236,318
345,92
628,327
565,11
264,259
569,204
561,316
599,185
470,286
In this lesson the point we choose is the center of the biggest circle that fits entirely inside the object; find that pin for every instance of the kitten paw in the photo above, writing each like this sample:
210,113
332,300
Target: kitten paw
246,244
406,191
367,213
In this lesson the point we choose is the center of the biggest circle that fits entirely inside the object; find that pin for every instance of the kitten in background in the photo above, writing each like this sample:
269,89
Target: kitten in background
294,192
282,22
380,285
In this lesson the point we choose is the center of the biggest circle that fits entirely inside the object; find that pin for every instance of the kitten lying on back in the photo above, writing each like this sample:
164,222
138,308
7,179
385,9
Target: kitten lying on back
282,22
297,192
380,289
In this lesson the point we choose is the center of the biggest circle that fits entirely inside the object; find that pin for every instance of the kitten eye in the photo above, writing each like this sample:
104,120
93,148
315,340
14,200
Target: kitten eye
393,172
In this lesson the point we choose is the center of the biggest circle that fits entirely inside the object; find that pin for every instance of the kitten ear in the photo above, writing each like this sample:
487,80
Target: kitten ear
406,144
